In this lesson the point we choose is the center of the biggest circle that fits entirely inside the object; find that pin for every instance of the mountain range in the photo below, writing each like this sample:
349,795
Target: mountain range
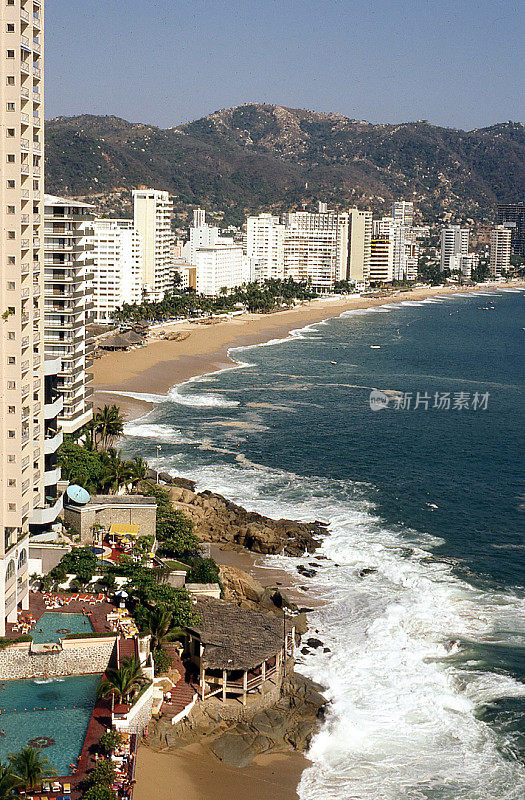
267,157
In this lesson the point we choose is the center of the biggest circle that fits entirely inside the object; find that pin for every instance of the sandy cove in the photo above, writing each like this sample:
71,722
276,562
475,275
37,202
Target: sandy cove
160,365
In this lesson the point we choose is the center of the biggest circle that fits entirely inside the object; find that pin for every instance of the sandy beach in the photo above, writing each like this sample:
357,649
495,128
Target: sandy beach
193,772
162,364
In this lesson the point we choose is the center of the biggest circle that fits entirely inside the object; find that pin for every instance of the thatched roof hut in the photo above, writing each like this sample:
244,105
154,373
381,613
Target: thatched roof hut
236,638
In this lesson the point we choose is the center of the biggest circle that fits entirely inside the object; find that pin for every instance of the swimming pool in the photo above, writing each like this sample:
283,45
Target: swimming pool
55,625
59,709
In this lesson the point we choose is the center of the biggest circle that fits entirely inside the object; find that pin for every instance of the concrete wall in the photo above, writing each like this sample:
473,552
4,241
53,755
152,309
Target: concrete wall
43,557
84,517
139,715
79,657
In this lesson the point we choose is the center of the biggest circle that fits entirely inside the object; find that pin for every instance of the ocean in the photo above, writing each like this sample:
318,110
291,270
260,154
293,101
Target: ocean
425,665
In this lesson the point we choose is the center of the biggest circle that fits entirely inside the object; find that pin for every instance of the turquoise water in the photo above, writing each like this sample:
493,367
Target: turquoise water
425,664
55,625
59,709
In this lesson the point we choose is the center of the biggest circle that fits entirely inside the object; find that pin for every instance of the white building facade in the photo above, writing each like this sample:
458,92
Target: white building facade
454,242
500,250
316,248
220,267
117,266
265,246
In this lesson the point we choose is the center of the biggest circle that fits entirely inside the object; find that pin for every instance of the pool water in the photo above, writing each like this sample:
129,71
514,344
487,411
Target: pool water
59,708
55,625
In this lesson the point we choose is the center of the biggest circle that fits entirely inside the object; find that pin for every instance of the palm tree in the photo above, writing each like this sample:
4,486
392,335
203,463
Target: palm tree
109,424
117,471
122,682
139,470
8,781
30,766
158,625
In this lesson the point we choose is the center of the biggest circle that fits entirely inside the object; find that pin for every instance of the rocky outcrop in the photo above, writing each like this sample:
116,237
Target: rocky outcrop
287,723
218,520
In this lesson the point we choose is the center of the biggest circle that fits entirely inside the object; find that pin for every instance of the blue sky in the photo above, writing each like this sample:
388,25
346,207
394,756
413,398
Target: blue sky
169,61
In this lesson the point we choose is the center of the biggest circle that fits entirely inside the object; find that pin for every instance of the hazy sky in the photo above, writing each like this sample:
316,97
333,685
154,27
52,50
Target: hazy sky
453,62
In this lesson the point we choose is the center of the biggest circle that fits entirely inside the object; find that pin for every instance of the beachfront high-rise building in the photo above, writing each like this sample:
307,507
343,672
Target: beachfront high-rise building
360,245
403,212
199,217
265,246
117,267
500,250
152,219
316,247
454,242
202,235
512,215
22,364
381,260
68,299
219,267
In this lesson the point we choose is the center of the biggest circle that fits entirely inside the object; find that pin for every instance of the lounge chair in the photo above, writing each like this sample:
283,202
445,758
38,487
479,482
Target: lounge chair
67,788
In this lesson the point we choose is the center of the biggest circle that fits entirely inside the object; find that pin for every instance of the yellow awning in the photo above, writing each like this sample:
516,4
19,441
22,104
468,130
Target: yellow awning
124,530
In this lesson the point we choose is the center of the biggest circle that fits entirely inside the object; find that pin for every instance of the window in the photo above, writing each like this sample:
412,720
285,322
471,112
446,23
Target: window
11,360
11,434
11,235
10,106
10,53
11,384
11,335
10,80
11,285
11,459
11,209
11,259
10,2
10,158
11,184
22,558
11,409
11,507
10,133
11,482
10,27
10,571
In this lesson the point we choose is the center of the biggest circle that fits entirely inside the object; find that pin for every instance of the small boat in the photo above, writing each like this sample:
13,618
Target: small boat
375,347
333,362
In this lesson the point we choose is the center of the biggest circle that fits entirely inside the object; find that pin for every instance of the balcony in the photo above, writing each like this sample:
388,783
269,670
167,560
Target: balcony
24,15
48,514
37,97
37,430
52,366
24,92
36,72
24,169
52,443
52,476
36,47
25,68
52,410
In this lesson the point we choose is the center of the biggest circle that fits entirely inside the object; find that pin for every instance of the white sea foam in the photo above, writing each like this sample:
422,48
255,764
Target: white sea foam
402,721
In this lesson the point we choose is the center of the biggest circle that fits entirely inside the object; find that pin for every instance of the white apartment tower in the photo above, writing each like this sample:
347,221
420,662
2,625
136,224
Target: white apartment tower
152,219
454,242
360,245
219,267
316,248
23,407
117,266
403,212
68,297
500,250
265,246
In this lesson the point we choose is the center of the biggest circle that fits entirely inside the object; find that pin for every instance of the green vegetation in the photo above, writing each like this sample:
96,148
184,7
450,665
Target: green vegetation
174,530
162,662
109,741
81,562
8,781
268,296
253,158
203,570
6,642
124,682
98,783
30,766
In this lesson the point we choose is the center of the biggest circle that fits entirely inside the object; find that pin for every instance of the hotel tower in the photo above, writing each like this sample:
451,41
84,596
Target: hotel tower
28,412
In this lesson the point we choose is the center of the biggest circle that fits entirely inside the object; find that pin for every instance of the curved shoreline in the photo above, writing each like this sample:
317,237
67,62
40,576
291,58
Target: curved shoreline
162,364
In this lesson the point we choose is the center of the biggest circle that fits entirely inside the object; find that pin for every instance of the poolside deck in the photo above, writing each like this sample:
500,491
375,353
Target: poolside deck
97,612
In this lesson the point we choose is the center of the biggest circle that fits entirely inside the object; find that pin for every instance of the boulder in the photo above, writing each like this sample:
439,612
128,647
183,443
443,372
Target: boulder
240,587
